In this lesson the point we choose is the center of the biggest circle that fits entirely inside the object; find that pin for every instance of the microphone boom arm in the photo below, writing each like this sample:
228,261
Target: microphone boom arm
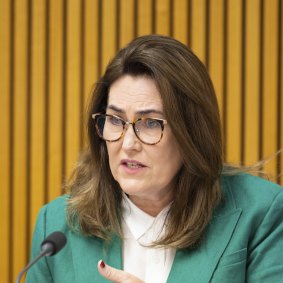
31,263
49,247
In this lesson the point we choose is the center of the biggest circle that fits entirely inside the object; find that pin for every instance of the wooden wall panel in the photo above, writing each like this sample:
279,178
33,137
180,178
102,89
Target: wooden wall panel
90,53
37,140
163,17
55,93
216,49
127,22
270,83
181,20
280,93
109,31
144,17
73,85
251,88
234,83
20,162
5,132
198,28
53,51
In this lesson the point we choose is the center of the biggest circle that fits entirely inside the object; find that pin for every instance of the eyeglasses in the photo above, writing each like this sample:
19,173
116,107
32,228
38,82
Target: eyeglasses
111,128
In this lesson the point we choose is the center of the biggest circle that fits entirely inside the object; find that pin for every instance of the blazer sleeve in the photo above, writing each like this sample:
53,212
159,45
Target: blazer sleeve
40,271
265,262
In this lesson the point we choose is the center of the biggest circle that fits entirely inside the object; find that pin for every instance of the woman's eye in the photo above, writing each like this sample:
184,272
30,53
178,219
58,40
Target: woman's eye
151,124
115,121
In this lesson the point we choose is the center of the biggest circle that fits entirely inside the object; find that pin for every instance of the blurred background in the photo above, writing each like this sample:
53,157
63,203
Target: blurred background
53,51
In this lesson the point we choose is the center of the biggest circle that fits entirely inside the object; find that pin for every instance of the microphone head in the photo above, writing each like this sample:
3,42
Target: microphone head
53,243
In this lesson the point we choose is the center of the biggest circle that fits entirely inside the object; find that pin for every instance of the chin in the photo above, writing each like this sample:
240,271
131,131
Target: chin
132,189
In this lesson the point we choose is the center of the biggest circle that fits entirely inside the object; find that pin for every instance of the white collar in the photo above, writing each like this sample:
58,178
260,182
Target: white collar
139,222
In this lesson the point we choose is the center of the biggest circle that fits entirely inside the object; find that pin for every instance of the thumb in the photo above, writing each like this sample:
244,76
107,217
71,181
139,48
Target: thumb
115,275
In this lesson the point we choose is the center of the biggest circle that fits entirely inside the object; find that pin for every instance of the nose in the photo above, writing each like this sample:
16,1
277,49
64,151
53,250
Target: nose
130,140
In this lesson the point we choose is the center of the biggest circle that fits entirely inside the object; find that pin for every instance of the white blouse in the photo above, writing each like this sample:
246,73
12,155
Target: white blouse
152,265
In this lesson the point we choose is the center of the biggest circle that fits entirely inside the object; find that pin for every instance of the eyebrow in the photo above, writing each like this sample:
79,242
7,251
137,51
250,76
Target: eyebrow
140,112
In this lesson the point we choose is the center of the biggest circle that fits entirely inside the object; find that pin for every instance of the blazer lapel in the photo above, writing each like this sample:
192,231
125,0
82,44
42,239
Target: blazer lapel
87,251
198,265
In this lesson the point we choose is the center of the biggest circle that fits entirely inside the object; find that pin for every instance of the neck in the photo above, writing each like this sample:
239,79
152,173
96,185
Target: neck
151,206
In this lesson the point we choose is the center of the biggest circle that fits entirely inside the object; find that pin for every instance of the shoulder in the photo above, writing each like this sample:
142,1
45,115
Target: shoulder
247,191
248,181
58,204
53,214
259,227
51,218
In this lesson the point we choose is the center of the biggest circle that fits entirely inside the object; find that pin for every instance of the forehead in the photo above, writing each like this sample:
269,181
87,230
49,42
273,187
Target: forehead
134,93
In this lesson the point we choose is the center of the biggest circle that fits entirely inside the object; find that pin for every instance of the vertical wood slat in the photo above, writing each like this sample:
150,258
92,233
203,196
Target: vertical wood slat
280,81
5,130
252,98
109,31
20,130
233,122
216,44
73,87
66,69
163,20
91,56
55,99
38,108
91,24
181,21
270,63
127,22
145,17
198,36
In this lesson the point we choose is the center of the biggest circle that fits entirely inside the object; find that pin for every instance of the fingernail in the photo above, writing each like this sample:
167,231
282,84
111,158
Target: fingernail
102,264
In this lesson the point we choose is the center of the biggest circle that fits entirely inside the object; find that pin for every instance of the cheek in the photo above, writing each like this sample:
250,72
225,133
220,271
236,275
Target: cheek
171,164
171,159
111,156
167,160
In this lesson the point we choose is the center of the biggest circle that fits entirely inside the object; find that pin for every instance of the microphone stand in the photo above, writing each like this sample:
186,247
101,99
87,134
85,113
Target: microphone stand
28,266
46,249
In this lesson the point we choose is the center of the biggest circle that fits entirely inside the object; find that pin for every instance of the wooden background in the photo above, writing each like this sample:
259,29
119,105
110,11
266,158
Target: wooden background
51,52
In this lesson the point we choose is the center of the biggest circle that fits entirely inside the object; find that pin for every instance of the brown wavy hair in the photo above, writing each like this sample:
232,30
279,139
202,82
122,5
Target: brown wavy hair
190,106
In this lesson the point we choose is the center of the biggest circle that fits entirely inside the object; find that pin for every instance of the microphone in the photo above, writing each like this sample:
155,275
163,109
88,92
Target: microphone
49,247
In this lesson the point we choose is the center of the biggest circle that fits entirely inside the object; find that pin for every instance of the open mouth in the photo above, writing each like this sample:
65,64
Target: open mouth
132,164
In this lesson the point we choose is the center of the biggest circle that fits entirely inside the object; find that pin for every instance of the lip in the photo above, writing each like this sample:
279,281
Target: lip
136,167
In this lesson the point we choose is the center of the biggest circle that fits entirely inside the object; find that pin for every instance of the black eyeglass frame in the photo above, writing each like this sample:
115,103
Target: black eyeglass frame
125,124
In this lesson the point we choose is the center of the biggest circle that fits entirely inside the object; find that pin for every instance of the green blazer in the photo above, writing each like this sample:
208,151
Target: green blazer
243,242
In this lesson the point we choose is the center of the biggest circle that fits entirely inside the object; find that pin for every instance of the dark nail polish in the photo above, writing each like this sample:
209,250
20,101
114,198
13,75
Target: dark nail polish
102,264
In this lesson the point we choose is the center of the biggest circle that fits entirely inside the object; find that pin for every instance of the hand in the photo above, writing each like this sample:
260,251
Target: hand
116,275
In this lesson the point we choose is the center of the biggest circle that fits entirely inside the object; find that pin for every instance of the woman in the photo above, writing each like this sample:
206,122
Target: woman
151,201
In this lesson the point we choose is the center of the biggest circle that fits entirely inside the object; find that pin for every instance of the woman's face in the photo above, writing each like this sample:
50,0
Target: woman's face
143,171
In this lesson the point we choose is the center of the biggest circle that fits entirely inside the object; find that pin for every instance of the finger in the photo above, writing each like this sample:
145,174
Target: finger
116,275
109,273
